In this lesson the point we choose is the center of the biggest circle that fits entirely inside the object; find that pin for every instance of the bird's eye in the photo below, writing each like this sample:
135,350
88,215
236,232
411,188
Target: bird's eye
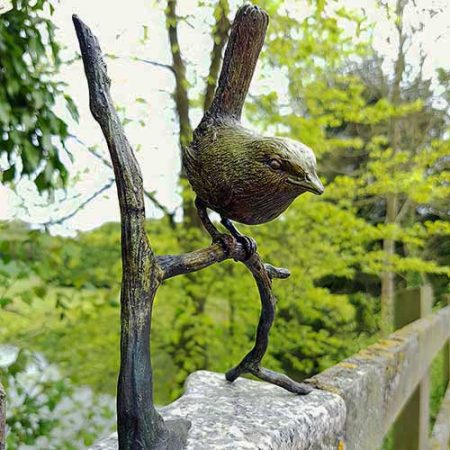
275,164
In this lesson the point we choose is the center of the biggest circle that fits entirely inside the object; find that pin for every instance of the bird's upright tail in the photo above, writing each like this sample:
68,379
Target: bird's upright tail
239,62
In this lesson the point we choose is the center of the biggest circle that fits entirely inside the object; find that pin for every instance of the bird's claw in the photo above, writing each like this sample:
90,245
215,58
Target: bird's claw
227,242
249,245
247,242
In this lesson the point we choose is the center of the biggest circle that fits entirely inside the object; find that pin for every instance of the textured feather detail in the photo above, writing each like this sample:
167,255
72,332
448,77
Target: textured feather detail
228,167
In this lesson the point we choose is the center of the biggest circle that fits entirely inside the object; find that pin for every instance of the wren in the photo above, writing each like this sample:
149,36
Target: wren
246,177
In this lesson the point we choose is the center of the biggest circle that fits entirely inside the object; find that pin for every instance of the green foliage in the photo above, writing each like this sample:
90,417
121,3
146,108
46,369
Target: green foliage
212,314
31,134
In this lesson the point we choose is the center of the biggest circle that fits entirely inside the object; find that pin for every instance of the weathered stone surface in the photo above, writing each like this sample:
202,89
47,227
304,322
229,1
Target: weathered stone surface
355,405
377,382
250,414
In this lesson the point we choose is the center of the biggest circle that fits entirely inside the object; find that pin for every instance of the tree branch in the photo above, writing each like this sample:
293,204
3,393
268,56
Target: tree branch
151,195
126,169
143,60
181,99
179,69
403,210
219,35
170,214
251,363
154,63
139,425
68,216
173,265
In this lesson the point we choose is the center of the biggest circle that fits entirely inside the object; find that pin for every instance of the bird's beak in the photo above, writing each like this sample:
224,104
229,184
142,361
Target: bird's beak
311,183
315,185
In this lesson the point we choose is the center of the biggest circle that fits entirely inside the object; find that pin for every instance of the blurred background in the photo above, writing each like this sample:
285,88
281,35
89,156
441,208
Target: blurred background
364,83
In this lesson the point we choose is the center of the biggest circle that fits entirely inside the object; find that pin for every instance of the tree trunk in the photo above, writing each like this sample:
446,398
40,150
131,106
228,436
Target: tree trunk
181,99
192,227
388,277
220,36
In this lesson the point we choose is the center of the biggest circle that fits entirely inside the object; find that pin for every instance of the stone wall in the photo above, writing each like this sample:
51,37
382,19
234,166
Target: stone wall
353,406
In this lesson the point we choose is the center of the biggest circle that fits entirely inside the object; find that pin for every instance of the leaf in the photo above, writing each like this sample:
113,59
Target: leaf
73,110
8,175
5,301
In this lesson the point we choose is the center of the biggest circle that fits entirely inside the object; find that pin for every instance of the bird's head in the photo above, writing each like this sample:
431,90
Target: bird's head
293,163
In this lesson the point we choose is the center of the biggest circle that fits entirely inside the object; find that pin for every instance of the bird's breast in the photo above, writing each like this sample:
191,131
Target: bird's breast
253,207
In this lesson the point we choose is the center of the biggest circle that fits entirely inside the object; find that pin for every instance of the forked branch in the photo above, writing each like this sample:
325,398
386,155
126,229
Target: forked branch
263,274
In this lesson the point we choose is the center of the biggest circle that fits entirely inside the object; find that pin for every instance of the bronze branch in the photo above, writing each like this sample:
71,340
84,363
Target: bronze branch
139,424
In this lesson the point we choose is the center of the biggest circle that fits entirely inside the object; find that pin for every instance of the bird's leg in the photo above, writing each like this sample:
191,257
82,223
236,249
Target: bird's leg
223,239
206,221
248,242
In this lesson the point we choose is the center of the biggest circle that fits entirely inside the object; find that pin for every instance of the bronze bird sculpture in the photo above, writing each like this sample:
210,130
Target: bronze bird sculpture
246,177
